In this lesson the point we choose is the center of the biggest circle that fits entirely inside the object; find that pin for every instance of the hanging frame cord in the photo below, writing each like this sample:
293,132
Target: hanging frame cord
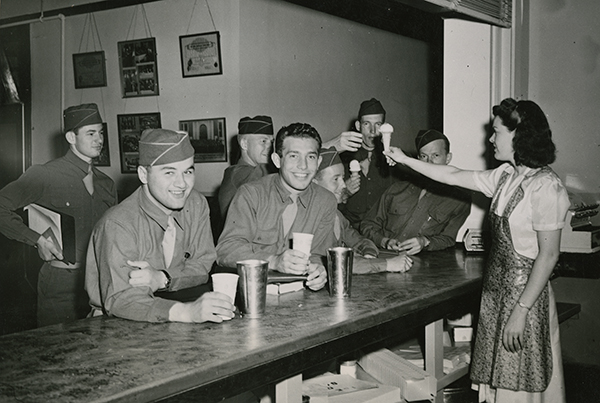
83,35
93,20
147,24
211,16
94,34
149,35
191,17
132,23
85,23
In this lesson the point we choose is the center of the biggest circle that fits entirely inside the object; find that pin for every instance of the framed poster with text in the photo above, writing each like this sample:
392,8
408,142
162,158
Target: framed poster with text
201,54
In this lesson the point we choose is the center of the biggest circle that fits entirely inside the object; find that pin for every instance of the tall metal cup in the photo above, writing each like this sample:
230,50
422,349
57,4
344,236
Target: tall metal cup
253,286
339,271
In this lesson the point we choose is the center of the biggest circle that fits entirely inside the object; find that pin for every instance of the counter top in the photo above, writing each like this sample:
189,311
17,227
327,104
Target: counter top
108,359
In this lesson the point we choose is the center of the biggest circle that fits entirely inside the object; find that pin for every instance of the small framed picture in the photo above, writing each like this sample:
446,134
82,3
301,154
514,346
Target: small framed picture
103,160
89,69
131,127
138,68
201,54
208,137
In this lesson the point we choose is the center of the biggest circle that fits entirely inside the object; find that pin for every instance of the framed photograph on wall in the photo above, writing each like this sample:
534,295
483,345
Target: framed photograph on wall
201,54
89,69
138,68
208,137
103,160
131,127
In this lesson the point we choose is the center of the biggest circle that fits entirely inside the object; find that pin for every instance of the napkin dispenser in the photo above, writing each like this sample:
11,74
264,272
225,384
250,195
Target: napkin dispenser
580,233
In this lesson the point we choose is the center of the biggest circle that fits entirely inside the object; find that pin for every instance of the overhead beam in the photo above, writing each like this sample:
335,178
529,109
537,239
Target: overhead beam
100,5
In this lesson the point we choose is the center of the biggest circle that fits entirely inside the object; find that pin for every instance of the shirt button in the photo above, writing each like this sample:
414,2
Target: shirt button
68,204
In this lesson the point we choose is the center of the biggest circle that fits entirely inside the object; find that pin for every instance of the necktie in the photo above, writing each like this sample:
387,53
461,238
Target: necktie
423,191
168,243
337,229
88,180
364,164
289,214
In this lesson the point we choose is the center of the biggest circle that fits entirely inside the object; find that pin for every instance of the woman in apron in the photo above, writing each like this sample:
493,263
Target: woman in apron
517,355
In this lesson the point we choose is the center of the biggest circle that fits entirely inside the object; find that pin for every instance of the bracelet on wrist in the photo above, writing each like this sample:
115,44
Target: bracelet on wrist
522,305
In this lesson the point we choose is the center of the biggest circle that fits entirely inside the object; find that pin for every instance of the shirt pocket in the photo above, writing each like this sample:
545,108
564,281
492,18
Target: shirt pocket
398,210
266,236
66,205
436,221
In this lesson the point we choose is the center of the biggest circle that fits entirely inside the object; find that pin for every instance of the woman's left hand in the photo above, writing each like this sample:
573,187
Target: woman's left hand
395,155
512,338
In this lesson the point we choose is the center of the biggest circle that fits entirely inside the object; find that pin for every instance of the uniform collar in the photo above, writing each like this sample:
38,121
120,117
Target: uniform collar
75,160
284,193
242,162
155,212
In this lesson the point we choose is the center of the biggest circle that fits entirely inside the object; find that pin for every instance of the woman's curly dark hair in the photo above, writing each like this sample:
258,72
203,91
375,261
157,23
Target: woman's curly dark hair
532,143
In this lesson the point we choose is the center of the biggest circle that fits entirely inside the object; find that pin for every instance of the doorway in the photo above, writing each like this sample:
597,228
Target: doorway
19,263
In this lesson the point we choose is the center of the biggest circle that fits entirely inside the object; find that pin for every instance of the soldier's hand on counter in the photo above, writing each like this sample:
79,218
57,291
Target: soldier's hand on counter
399,264
207,308
291,261
317,276
412,246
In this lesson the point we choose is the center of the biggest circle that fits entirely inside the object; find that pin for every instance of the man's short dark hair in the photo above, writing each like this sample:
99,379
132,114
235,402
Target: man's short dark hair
297,130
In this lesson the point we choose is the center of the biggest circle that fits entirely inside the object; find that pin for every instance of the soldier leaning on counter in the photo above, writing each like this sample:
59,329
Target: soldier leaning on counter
419,214
69,185
264,213
366,255
158,239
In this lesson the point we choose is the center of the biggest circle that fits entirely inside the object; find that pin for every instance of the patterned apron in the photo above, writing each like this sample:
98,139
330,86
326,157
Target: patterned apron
507,273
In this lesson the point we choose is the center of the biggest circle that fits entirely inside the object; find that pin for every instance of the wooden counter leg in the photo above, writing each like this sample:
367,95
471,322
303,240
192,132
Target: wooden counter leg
289,390
434,352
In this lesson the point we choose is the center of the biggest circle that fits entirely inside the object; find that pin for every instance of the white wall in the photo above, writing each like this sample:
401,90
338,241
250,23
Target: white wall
565,80
314,67
468,100
279,59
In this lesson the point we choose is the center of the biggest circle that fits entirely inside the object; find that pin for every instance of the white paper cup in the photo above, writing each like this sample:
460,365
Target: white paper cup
302,242
225,283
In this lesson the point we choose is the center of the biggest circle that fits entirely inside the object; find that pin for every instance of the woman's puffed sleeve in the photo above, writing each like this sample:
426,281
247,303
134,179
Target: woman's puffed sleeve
549,204
487,181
